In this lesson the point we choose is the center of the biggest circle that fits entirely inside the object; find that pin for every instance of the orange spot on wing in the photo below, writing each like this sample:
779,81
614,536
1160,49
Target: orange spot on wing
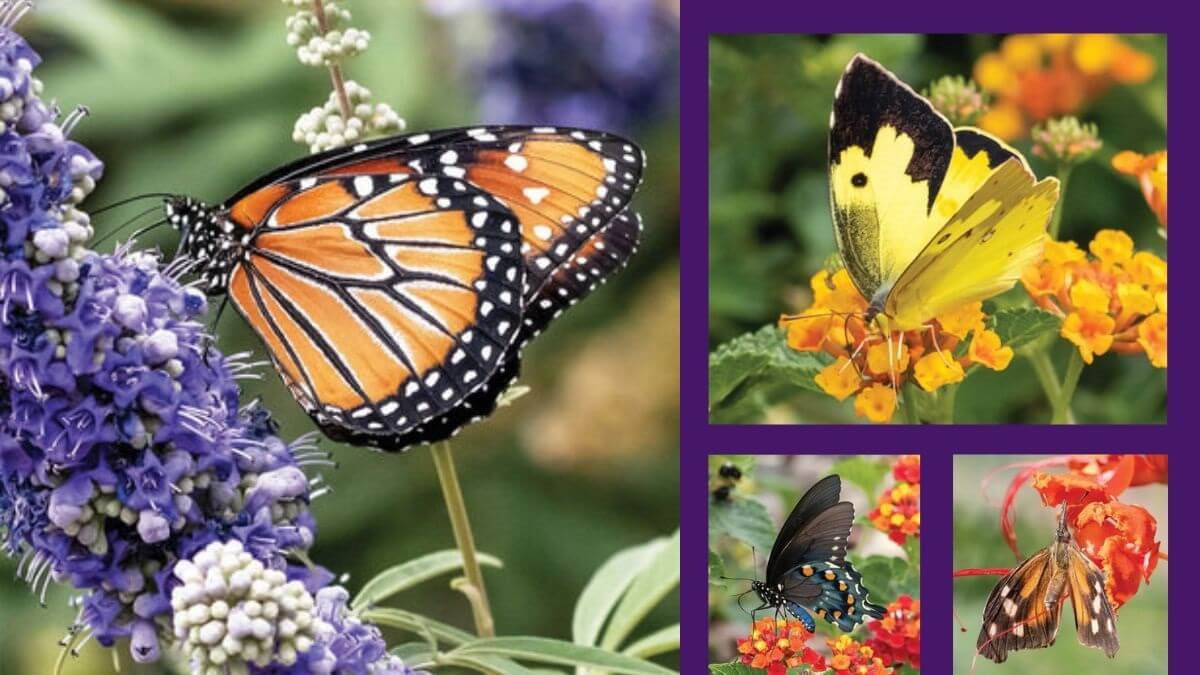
327,247
443,227
368,166
322,201
453,306
425,346
461,265
402,200
251,210
376,370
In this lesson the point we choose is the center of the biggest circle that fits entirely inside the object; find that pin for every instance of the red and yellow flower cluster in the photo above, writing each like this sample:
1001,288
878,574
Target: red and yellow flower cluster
1118,537
897,638
1035,77
776,646
899,510
863,366
1114,300
1151,173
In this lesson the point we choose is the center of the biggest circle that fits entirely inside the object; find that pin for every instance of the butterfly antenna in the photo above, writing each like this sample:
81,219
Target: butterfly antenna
129,222
130,200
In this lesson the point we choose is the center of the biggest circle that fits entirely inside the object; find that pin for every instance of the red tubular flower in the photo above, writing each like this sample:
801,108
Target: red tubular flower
897,639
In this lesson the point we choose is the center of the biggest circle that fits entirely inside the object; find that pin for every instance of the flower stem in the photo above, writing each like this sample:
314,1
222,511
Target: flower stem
335,69
1043,367
1064,175
1067,391
443,461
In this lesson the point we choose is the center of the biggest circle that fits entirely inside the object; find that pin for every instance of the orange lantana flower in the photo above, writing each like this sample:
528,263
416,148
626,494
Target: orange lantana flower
1035,77
775,645
853,658
897,639
869,365
1151,173
1114,300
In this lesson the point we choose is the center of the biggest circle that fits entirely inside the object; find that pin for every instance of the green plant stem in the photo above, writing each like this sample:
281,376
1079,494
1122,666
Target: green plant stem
907,405
1043,367
443,461
1064,175
945,407
1067,391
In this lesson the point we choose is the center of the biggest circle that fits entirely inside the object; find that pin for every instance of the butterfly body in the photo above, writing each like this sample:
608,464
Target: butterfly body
807,573
927,217
1024,609
395,283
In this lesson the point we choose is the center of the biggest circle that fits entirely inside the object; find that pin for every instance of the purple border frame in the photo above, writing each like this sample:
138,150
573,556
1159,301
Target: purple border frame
936,444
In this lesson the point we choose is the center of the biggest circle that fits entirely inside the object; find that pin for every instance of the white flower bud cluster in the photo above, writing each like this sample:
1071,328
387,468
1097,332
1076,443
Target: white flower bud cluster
231,611
320,48
64,246
324,127
12,106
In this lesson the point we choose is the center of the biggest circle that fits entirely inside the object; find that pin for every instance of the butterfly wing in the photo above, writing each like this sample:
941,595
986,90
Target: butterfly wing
546,197
1015,615
383,306
595,261
816,524
889,153
1095,621
833,590
997,233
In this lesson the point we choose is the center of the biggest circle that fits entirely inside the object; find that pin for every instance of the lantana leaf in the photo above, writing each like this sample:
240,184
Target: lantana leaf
1025,327
761,355
743,519
864,473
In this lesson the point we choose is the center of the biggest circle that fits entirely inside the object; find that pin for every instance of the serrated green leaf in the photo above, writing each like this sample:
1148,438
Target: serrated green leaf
1025,327
606,587
865,473
732,669
763,355
743,519
659,577
546,650
408,574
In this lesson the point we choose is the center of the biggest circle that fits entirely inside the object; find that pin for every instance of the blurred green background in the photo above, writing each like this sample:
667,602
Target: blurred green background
199,97
770,227
978,543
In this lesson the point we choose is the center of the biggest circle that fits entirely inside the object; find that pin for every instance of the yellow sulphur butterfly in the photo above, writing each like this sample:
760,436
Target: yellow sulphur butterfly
927,217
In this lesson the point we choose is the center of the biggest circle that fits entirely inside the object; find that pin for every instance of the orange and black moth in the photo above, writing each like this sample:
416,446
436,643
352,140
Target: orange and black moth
395,283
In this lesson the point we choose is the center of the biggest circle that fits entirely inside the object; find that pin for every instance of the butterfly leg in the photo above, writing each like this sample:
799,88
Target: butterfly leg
936,347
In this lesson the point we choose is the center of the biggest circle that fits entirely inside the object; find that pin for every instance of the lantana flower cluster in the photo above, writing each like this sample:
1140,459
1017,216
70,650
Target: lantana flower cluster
777,645
1151,174
324,41
124,449
863,366
854,658
1113,300
898,513
897,639
1032,78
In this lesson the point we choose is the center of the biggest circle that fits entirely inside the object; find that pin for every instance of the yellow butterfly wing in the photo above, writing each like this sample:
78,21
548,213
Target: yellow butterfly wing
981,251
889,152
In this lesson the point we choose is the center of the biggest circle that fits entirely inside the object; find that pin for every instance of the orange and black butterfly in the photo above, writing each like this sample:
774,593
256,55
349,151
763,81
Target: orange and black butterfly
394,283
1024,609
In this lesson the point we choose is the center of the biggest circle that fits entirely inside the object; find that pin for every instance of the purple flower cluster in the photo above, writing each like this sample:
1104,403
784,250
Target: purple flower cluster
589,63
123,445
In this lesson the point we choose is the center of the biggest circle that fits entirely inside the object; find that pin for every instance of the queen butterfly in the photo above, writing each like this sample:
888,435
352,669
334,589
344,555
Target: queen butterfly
395,283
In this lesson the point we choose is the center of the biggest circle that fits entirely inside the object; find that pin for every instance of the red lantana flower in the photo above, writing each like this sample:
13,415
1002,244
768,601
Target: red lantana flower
777,645
897,638
853,658
899,510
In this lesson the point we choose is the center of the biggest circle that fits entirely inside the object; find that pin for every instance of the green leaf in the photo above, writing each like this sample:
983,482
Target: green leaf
652,584
716,569
412,653
888,577
743,519
605,588
1025,328
751,359
546,650
733,669
659,642
487,664
408,574
864,473
417,624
